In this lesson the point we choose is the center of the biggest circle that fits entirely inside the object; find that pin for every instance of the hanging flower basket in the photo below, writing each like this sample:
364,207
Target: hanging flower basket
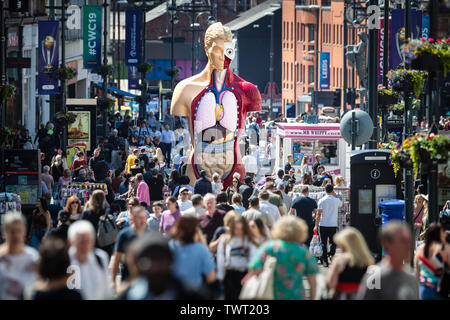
399,108
145,68
401,156
7,91
387,96
64,73
172,72
9,137
104,70
63,119
406,81
428,54
105,103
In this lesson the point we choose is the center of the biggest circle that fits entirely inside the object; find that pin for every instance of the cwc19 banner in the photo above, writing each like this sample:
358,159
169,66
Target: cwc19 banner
92,36
133,28
48,51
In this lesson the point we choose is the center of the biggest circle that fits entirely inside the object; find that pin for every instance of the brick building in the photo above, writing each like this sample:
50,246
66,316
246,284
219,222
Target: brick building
308,28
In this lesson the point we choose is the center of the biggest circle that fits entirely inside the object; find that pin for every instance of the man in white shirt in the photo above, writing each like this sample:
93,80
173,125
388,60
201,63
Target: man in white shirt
250,164
167,142
197,208
93,263
327,220
254,213
183,202
267,207
270,150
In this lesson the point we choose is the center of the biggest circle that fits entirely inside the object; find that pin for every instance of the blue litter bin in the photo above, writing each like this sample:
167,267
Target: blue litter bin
392,210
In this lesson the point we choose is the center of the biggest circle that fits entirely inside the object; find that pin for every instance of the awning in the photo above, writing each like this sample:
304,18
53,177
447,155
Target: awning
121,92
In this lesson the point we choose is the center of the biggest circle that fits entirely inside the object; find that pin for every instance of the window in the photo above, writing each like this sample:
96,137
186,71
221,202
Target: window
311,32
327,148
310,48
287,30
311,74
292,72
334,34
298,31
292,31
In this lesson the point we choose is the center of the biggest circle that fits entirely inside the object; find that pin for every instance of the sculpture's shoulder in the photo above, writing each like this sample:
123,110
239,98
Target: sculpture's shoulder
252,96
184,92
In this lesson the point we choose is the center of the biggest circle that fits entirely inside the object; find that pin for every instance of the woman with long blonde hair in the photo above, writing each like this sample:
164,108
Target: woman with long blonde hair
348,269
304,166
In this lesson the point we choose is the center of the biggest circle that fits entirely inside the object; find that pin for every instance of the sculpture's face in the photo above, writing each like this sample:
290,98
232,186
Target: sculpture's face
221,53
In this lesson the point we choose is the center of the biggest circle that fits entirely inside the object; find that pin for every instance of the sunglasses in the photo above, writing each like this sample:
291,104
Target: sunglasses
131,204
184,193
76,202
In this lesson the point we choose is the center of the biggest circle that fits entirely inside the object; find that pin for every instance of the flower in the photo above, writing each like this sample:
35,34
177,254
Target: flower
430,40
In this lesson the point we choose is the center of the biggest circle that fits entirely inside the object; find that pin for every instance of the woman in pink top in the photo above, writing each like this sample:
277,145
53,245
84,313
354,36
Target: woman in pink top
143,193
170,216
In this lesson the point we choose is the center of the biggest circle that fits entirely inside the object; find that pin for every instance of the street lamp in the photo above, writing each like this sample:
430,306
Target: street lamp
271,14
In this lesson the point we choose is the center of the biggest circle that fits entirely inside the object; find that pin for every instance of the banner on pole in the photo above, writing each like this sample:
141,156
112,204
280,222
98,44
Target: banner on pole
324,70
398,36
133,78
425,27
92,36
48,50
133,29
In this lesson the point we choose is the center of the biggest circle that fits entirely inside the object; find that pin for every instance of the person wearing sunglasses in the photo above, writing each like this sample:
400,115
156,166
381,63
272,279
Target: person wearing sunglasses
123,219
73,206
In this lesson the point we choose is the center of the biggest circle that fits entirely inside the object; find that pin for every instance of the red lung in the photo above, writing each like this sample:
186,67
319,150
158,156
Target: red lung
248,99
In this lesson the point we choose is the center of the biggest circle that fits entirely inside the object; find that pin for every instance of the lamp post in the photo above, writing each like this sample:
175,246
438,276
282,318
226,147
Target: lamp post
2,60
271,14
63,65
196,11
174,20
372,81
105,62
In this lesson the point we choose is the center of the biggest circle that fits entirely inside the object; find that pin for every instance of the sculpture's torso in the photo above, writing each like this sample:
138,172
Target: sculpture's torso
217,119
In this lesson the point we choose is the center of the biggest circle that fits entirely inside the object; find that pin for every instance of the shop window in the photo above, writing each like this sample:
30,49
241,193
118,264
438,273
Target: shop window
326,148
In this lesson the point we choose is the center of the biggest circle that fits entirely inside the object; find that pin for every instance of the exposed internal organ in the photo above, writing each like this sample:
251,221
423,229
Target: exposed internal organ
215,125
216,122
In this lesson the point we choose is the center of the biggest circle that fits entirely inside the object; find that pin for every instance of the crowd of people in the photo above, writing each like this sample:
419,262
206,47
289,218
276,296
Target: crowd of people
155,234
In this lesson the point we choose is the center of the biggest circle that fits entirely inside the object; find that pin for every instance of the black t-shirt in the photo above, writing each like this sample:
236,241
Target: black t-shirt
135,171
304,207
287,167
57,294
124,238
144,161
224,207
101,169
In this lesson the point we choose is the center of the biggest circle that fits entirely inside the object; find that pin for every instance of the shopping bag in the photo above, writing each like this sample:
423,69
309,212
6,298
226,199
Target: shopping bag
315,247
260,287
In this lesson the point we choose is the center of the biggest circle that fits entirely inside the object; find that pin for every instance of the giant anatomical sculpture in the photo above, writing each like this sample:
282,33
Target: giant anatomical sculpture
216,102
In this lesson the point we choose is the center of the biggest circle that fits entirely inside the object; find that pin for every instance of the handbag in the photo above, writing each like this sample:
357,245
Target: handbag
260,287
315,247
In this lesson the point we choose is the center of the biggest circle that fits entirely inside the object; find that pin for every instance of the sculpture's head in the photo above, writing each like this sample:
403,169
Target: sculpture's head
219,46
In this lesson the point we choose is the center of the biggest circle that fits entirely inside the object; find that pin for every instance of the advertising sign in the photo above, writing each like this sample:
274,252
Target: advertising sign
48,51
324,70
83,130
92,36
133,28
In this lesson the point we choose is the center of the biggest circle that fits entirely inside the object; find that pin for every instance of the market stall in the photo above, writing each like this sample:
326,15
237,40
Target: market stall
82,190
300,139
317,193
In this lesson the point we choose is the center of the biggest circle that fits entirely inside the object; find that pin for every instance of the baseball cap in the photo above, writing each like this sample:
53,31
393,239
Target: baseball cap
183,189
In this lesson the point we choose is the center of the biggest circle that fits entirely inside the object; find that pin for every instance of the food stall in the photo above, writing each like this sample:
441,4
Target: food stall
300,139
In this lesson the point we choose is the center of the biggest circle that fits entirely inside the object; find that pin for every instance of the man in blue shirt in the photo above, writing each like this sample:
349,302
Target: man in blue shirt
203,185
304,207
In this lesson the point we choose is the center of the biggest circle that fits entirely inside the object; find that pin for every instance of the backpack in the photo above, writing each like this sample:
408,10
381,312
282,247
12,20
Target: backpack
107,231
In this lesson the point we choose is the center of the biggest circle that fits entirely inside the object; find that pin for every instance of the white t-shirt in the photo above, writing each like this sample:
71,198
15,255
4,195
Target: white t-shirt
177,159
250,164
272,210
17,272
330,207
184,205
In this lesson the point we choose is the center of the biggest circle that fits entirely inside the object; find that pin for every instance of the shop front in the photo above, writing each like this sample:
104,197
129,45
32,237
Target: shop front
301,139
